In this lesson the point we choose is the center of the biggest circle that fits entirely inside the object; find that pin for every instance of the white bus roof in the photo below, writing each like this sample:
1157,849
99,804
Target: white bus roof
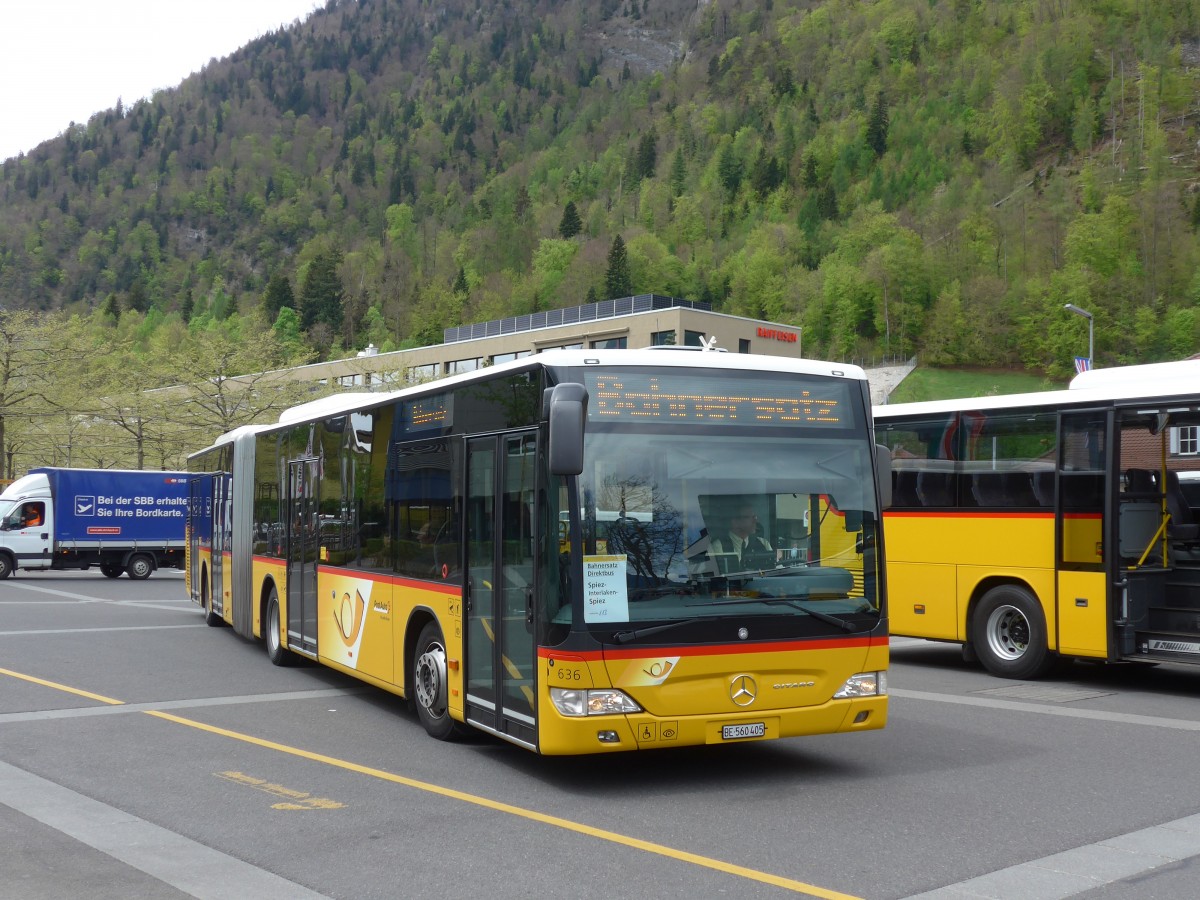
334,404
1172,382
1181,371
666,357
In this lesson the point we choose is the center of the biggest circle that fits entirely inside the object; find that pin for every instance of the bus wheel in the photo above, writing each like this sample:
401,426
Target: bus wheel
1009,634
140,566
278,654
429,685
111,570
211,619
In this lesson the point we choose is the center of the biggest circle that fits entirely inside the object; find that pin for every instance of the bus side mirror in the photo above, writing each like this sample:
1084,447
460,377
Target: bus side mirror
567,414
883,475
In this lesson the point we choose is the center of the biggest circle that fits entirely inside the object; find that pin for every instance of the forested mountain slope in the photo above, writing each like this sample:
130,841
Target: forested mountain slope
898,177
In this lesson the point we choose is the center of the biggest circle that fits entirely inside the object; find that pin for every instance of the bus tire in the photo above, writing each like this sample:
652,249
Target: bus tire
1008,633
273,634
111,570
140,566
6,566
211,619
430,689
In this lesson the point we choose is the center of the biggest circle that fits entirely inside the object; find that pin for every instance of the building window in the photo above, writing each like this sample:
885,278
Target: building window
743,345
418,374
610,344
693,338
1185,440
462,365
662,339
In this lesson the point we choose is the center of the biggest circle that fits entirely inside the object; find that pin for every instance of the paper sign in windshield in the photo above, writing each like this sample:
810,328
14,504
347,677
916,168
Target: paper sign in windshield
605,595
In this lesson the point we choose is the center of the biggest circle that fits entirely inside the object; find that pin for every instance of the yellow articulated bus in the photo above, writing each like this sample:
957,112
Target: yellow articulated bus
1038,527
578,552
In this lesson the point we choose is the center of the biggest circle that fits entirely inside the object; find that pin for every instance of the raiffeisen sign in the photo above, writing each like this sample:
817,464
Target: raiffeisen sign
774,334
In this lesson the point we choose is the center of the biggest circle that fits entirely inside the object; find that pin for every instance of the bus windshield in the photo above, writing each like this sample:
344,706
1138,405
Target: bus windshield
687,525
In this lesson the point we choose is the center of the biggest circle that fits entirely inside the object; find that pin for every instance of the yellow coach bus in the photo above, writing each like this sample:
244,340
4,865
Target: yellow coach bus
578,551
1036,527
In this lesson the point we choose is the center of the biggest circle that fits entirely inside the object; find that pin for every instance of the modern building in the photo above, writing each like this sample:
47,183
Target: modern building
642,321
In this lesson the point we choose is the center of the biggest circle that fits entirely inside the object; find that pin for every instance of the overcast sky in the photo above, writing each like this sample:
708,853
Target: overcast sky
63,60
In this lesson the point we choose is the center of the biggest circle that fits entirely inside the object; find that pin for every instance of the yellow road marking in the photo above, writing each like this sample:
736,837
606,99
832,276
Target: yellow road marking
63,687
533,815
293,799
801,887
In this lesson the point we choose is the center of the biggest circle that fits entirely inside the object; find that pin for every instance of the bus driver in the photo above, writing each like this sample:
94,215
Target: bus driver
743,541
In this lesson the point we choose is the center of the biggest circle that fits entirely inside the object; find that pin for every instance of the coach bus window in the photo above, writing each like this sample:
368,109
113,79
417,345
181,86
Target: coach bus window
923,455
1001,456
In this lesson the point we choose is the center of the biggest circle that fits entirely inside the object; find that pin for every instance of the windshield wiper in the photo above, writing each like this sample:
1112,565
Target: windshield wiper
795,604
624,637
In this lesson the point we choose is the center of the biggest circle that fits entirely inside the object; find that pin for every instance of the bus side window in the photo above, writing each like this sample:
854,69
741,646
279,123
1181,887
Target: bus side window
904,488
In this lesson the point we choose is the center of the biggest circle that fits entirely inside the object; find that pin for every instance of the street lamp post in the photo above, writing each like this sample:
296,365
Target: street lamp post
1091,330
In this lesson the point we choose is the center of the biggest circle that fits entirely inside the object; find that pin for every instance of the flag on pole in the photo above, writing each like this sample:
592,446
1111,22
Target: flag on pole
1082,364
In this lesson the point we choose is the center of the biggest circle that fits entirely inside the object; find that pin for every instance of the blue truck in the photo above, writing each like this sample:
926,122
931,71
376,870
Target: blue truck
121,520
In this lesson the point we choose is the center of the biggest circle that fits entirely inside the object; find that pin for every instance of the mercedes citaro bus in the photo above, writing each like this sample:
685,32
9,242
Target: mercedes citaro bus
525,549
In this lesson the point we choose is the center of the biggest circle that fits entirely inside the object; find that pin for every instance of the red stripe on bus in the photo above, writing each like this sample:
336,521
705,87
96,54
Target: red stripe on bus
379,578
714,650
454,590
970,514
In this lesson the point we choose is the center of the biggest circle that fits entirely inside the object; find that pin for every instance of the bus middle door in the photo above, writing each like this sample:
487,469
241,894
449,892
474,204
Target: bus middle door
302,547
500,564
1082,581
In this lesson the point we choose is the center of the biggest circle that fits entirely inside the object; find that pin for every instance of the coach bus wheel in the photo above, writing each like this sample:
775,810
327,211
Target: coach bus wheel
111,570
1009,634
429,685
278,654
6,566
140,566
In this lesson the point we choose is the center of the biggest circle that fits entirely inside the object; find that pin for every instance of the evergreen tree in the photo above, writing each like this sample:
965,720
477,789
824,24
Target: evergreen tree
618,280
827,206
522,204
678,173
570,224
809,180
278,295
877,125
647,154
730,169
137,299
765,174
322,293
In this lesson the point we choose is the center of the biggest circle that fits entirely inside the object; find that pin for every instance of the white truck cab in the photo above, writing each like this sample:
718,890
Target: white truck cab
26,524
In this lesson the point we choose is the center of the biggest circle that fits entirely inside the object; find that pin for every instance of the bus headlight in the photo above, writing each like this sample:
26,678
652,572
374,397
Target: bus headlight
599,702
864,684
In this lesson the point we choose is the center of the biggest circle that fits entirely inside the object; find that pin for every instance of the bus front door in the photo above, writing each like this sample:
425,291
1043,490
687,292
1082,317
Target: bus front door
499,590
222,540
199,534
303,536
